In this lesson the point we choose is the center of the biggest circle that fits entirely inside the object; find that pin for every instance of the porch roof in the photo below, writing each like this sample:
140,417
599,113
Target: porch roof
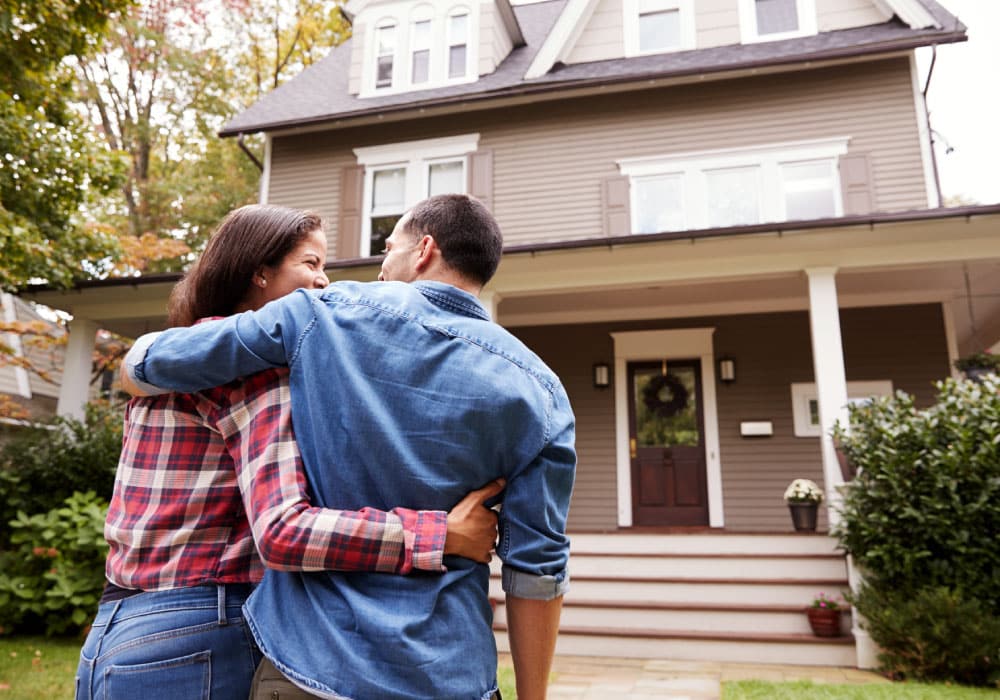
934,243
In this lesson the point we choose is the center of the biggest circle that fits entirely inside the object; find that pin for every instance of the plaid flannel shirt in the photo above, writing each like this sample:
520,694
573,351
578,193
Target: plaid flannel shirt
204,476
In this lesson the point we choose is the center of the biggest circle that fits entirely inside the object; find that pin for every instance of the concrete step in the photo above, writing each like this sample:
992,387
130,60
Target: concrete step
720,566
702,544
790,649
682,618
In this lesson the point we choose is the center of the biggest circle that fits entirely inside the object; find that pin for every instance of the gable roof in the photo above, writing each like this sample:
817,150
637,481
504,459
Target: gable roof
319,95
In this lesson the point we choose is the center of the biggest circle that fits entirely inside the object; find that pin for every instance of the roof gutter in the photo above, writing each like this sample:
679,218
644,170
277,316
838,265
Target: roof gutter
555,88
243,147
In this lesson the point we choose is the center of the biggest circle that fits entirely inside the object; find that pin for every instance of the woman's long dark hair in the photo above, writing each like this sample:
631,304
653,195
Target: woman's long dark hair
248,239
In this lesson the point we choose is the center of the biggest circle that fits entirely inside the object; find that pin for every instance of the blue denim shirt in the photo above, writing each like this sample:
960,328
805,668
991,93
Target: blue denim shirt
403,395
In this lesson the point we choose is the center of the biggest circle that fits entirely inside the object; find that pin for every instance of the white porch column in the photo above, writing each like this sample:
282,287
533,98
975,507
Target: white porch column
75,387
831,378
491,300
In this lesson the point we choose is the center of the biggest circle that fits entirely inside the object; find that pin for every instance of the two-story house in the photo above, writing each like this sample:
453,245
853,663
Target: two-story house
721,224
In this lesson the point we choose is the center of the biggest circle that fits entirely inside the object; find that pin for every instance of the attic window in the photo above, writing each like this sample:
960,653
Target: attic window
658,26
420,47
458,30
768,20
385,39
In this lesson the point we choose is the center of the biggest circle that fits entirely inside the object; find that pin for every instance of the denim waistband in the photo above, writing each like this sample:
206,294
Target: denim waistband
221,596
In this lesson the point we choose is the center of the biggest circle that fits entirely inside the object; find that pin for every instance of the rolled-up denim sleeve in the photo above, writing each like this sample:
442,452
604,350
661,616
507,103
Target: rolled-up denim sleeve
217,352
533,542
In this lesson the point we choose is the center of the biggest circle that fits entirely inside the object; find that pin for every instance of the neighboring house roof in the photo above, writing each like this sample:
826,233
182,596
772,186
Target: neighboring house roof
320,94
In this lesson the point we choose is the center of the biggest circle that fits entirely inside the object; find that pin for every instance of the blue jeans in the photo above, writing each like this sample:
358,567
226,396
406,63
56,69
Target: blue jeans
183,644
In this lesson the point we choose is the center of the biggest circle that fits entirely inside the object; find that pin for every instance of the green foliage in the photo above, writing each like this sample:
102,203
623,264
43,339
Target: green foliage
933,633
979,360
921,520
41,467
53,575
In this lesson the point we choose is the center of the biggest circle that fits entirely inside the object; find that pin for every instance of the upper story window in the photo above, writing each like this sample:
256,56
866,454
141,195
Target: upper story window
716,189
418,48
385,53
397,176
458,41
767,20
658,26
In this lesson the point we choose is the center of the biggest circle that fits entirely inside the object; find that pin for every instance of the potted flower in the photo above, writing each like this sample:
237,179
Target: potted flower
978,365
824,616
803,498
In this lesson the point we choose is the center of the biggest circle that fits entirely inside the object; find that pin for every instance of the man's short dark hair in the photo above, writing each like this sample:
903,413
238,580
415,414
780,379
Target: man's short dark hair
465,231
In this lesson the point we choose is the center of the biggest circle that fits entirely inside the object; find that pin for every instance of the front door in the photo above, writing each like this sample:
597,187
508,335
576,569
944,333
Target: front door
667,444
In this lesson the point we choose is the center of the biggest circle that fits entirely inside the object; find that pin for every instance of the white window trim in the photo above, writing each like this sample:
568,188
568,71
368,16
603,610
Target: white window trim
630,23
404,15
748,22
693,165
803,393
416,157
421,13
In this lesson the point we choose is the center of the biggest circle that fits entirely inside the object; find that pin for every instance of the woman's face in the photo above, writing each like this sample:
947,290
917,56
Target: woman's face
302,267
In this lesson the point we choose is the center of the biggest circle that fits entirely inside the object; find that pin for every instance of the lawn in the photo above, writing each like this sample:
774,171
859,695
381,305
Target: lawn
807,690
37,667
41,667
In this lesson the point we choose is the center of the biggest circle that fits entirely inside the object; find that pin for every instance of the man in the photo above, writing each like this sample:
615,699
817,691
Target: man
414,375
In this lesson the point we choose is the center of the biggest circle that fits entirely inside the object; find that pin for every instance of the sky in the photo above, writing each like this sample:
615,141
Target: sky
964,103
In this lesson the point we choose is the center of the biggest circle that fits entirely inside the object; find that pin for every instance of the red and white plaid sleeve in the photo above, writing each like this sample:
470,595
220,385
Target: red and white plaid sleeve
291,535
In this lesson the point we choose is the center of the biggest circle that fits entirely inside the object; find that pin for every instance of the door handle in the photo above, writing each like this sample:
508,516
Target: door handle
632,448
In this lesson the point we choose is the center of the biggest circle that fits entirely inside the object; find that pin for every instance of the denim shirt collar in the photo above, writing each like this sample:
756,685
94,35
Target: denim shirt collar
452,299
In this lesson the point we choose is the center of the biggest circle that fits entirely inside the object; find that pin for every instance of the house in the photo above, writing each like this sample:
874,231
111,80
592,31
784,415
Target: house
722,225
28,395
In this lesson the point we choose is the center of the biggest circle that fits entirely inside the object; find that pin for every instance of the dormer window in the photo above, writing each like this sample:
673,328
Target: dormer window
420,52
458,33
385,42
768,20
430,46
658,26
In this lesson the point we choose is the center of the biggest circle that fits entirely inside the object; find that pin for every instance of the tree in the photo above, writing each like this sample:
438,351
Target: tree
50,162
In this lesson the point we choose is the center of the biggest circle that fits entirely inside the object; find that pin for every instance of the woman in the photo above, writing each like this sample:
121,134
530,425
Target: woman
209,490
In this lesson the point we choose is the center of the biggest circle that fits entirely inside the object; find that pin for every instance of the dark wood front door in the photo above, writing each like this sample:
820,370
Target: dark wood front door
667,444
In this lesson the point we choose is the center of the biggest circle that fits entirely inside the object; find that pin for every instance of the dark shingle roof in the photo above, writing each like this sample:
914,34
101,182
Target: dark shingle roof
320,93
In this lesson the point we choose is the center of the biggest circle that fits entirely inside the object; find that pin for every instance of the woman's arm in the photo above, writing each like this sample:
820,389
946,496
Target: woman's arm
293,535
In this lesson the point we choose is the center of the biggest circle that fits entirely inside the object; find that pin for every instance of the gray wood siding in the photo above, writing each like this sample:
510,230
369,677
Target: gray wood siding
904,344
562,152
844,14
305,174
717,23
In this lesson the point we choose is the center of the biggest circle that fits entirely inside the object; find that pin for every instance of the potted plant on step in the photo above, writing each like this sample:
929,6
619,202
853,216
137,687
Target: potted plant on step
803,498
978,365
824,616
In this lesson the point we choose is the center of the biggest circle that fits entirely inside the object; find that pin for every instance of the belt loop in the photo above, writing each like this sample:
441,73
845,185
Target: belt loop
221,588
107,628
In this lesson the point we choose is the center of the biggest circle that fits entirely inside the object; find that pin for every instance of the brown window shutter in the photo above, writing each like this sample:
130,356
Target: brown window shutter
856,184
615,206
480,177
352,187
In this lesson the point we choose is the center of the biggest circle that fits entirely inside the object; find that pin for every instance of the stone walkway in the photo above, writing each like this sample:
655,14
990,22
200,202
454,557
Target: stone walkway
603,678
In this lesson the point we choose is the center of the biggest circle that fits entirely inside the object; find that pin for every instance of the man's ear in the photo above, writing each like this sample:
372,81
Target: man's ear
428,252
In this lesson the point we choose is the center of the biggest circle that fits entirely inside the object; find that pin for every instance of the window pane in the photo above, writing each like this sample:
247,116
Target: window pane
809,190
381,229
733,196
659,203
659,30
457,30
384,77
456,61
389,190
420,37
421,66
446,178
386,42
774,16
658,425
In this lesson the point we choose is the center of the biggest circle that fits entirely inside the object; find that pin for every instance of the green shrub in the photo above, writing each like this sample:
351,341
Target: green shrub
52,576
41,467
921,521
932,634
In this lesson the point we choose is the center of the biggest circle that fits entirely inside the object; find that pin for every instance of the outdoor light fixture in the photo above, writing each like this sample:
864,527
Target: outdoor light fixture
602,375
727,370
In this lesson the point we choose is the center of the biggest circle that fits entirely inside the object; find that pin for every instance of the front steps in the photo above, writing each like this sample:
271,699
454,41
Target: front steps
736,598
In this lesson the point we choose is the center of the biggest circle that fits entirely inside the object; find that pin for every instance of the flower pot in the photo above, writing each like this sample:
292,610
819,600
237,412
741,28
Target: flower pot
804,516
824,621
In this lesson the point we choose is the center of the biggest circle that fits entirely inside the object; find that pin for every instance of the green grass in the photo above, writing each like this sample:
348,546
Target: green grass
807,690
505,677
37,667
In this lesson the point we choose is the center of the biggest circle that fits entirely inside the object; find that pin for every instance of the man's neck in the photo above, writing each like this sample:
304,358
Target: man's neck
455,280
